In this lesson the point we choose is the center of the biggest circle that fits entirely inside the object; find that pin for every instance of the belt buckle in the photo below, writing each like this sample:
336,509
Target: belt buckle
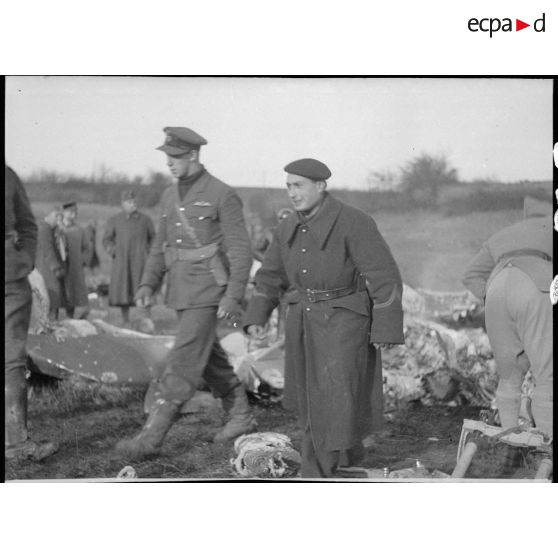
310,295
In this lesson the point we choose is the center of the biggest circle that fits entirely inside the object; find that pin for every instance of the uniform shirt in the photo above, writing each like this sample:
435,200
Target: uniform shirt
213,214
21,229
496,253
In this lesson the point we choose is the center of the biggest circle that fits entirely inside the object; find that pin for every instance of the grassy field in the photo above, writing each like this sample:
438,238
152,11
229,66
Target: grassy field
431,249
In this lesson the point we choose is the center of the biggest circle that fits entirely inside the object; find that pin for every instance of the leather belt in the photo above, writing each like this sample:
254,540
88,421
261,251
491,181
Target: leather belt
525,252
192,254
313,295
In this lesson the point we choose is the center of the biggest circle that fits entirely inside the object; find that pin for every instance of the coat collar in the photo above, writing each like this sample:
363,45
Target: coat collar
319,226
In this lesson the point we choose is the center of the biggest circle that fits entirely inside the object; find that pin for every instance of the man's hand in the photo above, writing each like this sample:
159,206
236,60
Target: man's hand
256,332
228,308
383,345
143,296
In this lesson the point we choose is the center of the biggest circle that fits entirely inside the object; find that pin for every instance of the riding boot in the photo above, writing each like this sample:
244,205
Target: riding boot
162,415
17,445
239,415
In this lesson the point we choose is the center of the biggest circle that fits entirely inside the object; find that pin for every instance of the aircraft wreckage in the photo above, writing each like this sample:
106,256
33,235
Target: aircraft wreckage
440,361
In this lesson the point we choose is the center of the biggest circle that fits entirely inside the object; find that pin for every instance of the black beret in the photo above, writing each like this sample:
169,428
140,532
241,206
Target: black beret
309,168
68,204
180,140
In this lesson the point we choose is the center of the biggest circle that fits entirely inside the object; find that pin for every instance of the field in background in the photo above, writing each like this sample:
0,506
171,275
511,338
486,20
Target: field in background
432,249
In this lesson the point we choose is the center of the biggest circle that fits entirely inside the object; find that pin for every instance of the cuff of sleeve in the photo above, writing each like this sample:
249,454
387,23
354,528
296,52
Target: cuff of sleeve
257,313
235,290
387,327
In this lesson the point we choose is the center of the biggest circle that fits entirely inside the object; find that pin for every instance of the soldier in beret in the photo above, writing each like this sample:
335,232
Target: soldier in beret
203,247
343,293
127,238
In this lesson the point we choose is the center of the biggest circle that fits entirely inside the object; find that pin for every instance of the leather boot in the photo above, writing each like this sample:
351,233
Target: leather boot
162,415
240,418
17,445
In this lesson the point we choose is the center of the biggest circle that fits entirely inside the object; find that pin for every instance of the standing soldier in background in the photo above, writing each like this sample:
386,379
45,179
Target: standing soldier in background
49,262
128,236
19,252
203,245
512,273
78,250
343,294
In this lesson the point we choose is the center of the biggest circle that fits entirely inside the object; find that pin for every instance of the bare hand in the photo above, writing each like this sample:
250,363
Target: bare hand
143,297
228,308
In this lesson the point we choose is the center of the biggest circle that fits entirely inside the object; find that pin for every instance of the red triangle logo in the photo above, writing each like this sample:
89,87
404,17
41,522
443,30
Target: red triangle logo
519,25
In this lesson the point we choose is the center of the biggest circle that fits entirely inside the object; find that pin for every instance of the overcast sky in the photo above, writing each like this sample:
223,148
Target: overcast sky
495,128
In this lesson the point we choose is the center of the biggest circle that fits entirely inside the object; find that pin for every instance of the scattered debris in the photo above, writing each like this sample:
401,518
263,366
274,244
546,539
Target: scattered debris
127,472
265,455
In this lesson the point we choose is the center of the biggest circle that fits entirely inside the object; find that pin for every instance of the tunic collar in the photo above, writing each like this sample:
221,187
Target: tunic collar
319,225
193,184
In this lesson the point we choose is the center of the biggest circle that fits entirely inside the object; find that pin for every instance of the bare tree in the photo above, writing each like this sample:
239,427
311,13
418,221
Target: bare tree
423,177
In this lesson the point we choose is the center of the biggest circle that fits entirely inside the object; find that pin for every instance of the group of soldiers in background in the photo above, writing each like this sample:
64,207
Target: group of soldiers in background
65,250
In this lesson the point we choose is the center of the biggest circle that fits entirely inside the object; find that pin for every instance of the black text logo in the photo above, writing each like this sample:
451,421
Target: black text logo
493,25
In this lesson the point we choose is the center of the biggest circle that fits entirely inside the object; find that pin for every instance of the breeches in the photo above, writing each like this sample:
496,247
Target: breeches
196,354
519,326
17,314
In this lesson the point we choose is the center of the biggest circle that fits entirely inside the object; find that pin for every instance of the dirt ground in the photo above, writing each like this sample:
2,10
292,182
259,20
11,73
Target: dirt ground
87,422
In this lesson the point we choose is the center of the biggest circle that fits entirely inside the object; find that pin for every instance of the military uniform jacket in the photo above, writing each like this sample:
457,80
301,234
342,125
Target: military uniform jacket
127,239
523,245
333,376
21,229
210,215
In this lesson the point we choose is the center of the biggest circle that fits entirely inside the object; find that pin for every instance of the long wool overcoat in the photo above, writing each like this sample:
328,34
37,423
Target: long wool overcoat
48,262
333,375
127,239
75,289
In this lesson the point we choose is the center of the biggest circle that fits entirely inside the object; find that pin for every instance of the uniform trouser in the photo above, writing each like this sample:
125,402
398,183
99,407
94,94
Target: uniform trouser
519,326
318,462
196,354
17,314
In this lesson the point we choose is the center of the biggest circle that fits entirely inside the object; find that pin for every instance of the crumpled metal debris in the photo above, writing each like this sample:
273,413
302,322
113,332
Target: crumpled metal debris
127,472
438,304
265,455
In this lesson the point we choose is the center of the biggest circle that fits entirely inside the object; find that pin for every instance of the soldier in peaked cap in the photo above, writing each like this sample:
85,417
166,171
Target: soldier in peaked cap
78,250
203,247
343,290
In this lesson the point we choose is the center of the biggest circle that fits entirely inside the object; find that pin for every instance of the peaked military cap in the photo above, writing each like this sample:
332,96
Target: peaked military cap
180,140
309,168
